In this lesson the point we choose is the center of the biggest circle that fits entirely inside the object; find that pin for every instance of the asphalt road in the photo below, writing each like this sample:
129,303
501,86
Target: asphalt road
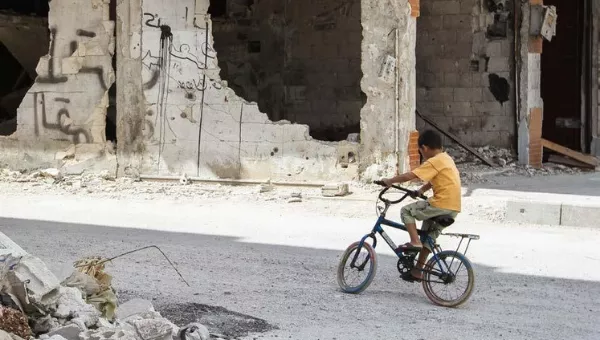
278,263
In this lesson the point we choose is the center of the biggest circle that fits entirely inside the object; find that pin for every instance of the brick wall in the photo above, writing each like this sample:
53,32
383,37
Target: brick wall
300,60
464,70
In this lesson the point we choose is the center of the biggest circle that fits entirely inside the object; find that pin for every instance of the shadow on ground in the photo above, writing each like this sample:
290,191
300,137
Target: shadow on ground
294,288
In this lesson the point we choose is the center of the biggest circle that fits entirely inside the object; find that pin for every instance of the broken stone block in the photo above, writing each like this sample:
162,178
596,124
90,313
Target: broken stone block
7,246
51,173
69,332
265,188
335,190
107,175
155,329
194,331
71,305
134,307
36,277
44,324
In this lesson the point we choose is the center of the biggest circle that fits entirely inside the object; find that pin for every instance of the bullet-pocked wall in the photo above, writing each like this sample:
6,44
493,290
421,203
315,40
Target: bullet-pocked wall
195,123
299,60
465,79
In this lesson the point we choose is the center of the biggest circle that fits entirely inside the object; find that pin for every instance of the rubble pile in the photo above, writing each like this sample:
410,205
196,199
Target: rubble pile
35,305
474,171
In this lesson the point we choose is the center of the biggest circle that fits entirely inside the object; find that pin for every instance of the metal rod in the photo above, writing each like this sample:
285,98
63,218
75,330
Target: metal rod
138,250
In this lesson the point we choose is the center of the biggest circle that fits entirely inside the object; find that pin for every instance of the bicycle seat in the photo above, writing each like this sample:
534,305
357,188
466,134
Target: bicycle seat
443,220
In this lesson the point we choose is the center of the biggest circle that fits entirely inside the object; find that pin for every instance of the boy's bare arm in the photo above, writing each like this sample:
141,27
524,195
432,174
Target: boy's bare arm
425,188
405,177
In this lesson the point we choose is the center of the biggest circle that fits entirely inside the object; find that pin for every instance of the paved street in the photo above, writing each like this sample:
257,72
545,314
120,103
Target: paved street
277,262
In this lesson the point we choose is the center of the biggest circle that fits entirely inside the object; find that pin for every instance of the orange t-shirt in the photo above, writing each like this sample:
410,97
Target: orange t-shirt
443,175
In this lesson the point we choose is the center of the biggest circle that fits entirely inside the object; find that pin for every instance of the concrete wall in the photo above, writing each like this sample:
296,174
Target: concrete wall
197,125
177,115
464,70
300,61
386,119
66,107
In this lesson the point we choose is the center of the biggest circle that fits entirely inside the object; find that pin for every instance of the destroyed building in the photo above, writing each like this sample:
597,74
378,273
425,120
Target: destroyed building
300,90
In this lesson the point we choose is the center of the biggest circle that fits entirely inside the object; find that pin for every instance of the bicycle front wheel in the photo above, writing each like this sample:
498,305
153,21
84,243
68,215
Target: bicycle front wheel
449,280
355,277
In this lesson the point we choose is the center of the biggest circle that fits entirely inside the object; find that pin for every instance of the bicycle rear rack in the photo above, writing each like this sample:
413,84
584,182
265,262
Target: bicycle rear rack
470,237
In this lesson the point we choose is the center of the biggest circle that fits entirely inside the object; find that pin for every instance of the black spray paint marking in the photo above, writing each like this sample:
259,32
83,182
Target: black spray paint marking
499,87
150,18
76,133
164,64
84,33
51,79
62,100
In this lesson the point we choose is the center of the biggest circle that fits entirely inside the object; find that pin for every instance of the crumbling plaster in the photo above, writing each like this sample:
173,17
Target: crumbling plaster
65,110
195,124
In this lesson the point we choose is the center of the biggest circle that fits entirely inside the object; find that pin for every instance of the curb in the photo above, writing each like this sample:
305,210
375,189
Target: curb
553,213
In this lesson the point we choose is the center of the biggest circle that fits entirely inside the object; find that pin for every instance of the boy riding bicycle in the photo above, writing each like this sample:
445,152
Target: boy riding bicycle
439,173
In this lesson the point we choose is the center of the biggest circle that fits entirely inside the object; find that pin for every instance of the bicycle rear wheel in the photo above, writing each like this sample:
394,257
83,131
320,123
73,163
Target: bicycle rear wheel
449,281
356,278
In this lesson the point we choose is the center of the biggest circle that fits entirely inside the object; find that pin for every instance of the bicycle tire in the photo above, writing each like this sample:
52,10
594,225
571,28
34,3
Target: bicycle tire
427,279
346,258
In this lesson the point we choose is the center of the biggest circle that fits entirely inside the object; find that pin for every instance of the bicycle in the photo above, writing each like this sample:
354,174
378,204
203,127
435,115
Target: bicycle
438,270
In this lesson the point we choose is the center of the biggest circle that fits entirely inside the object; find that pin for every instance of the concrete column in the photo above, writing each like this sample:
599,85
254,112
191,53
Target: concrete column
130,100
530,100
388,117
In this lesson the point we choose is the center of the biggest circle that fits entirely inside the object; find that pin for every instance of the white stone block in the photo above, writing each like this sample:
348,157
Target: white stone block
543,213
580,215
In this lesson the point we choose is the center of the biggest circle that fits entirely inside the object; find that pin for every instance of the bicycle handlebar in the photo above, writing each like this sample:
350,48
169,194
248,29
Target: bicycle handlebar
411,193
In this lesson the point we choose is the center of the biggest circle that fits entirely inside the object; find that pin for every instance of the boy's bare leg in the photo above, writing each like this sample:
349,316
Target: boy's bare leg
414,236
416,272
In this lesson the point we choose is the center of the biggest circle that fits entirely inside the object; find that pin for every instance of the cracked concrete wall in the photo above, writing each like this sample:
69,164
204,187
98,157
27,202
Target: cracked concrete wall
465,70
65,109
195,124
385,135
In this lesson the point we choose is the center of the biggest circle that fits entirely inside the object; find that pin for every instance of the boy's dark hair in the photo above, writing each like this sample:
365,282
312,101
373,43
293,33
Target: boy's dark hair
430,139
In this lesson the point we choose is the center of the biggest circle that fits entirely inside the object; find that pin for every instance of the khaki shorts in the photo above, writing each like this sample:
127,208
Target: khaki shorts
423,211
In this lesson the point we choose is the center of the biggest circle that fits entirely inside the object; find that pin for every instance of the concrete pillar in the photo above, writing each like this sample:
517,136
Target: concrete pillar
530,100
388,117
130,101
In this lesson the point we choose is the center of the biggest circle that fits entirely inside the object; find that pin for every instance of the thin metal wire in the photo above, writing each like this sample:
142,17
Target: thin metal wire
138,250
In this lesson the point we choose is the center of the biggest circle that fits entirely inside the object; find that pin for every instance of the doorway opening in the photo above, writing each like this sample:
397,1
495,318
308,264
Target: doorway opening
565,84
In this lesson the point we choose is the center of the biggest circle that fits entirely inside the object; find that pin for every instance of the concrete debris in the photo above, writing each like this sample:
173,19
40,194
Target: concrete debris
194,331
473,171
69,332
96,285
335,190
107,175
72,309
52,173
15,322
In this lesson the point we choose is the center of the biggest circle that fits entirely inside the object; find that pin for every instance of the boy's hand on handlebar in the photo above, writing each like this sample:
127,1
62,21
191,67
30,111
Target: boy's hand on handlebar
387,182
